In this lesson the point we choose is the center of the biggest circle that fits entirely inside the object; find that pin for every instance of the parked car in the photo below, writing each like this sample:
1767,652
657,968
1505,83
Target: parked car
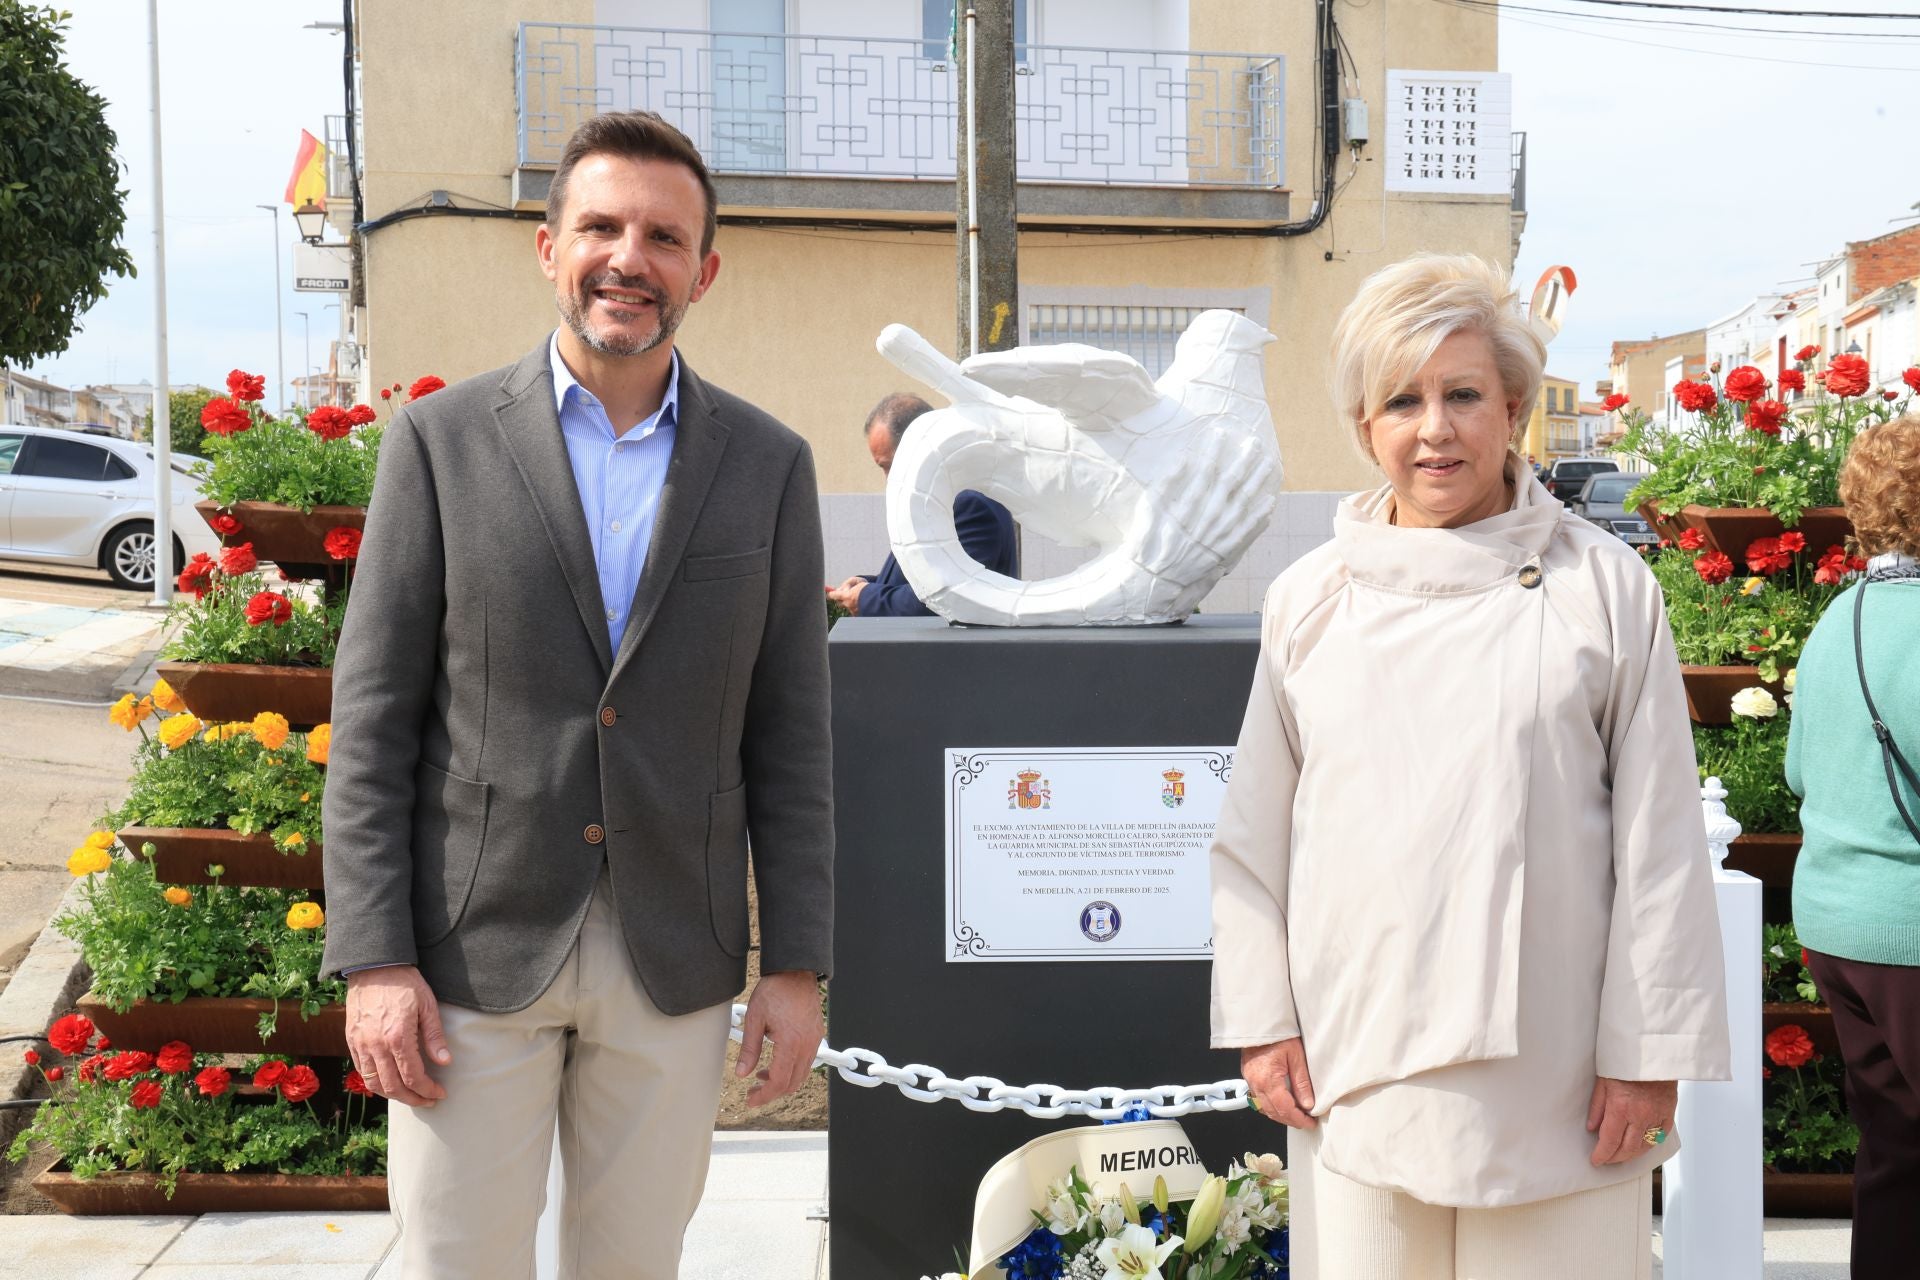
1564,478
71,498
1602,500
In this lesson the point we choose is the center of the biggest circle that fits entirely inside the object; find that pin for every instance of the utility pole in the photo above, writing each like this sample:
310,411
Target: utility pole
279,324
986,208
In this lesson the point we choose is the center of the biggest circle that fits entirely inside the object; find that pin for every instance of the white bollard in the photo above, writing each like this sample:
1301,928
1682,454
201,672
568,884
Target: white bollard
1714,1220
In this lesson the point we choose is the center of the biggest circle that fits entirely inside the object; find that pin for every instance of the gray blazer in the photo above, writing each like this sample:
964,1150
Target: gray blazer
491,751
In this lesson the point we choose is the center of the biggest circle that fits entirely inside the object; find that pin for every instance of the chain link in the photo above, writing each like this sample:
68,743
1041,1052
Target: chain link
868,1070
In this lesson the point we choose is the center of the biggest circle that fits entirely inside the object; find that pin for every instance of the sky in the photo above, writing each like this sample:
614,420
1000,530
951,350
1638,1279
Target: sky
1680,171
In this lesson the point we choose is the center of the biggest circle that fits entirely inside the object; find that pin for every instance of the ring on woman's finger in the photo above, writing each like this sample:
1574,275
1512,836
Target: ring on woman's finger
1655,1136
1253,1100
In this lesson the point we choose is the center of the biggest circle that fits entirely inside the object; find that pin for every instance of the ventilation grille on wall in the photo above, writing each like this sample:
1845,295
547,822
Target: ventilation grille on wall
1450,131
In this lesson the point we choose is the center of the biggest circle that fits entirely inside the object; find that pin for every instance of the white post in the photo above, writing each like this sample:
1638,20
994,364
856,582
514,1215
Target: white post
279,323
1714,1220
546,1232
162,410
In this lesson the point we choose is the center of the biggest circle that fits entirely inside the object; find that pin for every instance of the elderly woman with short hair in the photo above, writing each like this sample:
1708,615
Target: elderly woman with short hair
1464,929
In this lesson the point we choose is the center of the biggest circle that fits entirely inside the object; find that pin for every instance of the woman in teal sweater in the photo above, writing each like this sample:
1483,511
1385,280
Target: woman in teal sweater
1856,887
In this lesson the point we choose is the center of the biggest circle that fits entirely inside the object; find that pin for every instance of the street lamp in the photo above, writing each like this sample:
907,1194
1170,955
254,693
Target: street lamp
1853,348
279,325
312,221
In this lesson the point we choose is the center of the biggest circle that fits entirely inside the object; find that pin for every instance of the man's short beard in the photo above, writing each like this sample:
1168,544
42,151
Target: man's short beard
574,309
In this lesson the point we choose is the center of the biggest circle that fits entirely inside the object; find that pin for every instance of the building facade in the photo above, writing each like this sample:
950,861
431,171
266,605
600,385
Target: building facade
1641,370
1168,157
1553,429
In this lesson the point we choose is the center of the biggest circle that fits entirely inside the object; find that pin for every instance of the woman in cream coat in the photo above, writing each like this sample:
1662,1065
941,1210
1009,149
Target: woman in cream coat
1464,930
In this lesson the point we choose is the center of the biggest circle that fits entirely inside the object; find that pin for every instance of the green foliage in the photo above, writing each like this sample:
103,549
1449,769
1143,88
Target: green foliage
1804,1120
61,206
1759,620
224,941
214,627
1750,758
280,460
1787,979
235,782
92,1126
185,434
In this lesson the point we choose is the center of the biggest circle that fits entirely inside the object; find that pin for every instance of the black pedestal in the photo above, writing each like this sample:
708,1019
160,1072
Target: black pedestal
903,1173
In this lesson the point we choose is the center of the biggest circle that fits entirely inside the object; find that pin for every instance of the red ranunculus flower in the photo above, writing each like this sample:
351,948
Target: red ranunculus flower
1829,571
1912,378
343,543
247,386
213,1081
71,1034
146,1095
299,1084
31,1057
1804,960
1714,567
1789,1046
1745,383
1805,354
128,1064
1889,396
1764,555
54,1074
361,414
1792,380
269,606
1614,401
270,1075
1692,539
102,1045
90,1069
224,417
1793,541
386,393
356,1083
224,524
1694,397
329,422
240,559
174,1057
1766,415
1848,375
423,386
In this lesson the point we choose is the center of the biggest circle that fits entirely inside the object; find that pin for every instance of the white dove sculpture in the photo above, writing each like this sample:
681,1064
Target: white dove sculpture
1171,481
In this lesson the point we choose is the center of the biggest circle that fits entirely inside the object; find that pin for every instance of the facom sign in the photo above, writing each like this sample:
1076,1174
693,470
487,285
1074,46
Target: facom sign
322,268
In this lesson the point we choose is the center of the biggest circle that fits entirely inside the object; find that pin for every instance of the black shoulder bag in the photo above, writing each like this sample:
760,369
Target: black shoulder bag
1897,766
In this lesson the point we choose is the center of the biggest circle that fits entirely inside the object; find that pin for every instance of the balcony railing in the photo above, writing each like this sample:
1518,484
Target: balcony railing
836,106
339,162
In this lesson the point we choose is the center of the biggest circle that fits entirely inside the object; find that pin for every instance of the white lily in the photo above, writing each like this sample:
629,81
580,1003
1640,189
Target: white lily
1113,1216
1134,1255
1236,1228
1064,1217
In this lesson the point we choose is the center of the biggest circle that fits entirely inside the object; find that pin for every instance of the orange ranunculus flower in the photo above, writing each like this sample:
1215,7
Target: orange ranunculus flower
177,895
101,839
231,729
86,860
294,840
1789,1046
129,711
176,731
271,728
165,698
305,915
319,744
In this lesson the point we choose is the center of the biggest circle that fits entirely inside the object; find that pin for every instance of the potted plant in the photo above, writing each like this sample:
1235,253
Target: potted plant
1810,1139
244,795
218,965
1749,756
175,1131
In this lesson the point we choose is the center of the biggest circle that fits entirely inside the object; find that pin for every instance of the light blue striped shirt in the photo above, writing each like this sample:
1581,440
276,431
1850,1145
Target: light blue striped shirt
619,478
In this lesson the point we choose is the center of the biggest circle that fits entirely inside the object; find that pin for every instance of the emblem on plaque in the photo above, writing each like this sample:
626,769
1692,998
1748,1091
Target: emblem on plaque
1100,921
1175,792
1029,790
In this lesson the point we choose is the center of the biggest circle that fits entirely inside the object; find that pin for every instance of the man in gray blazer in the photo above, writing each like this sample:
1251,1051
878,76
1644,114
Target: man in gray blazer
585,659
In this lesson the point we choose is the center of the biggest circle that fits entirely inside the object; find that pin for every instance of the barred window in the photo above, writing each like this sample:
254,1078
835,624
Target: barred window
1147,333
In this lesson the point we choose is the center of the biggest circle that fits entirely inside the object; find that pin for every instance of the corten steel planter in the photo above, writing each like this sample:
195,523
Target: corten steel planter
293,539
1731,529
1807,1195
222,1024
1710,690
220,691
140,1193
1766,856
181,855
1817,1020
1664,525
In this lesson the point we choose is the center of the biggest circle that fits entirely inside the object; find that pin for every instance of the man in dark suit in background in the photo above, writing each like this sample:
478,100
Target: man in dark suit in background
985,527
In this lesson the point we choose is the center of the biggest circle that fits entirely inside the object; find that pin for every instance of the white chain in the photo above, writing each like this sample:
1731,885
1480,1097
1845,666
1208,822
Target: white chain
867,1069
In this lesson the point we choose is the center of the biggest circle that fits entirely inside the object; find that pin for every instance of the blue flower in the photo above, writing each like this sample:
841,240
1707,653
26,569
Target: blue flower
1035,1258
1138,1111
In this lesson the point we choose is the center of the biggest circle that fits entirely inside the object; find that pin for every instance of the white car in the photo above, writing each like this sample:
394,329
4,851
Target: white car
74,498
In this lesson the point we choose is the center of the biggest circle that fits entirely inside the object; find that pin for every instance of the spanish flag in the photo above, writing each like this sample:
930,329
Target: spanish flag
309,180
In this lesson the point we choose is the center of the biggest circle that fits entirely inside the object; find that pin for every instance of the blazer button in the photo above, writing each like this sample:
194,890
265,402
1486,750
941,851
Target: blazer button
607,716
596,834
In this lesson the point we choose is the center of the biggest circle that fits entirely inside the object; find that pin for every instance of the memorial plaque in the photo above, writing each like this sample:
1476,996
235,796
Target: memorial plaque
1069,853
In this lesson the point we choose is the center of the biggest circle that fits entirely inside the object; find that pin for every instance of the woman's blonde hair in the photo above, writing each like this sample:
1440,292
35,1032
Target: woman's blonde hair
1404,312
1880,485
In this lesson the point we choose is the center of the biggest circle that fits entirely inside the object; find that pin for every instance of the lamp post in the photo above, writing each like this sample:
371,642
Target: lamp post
311,219
279,325
306,354
162,411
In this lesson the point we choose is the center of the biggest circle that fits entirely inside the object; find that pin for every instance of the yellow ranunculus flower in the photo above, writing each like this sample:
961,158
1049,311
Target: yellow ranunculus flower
129,711
319,743
295,840
271,728
102,839
305,915
232,729
176,731
86,860
165,698
178,896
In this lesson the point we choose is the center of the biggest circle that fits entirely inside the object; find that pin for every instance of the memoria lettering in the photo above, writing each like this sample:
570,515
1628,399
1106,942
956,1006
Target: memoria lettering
1148,1158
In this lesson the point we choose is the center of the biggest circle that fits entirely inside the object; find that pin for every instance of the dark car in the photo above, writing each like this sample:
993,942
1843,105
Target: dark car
1602,501
1564,478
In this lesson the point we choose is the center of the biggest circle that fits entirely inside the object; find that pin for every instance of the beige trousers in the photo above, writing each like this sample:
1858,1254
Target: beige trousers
1343,1230
633,1092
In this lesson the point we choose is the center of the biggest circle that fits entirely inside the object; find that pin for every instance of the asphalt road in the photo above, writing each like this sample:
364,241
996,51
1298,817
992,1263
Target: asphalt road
67,636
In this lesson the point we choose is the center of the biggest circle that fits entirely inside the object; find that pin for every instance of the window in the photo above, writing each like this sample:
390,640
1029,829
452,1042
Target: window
56,459
9,450
938,24
118,468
